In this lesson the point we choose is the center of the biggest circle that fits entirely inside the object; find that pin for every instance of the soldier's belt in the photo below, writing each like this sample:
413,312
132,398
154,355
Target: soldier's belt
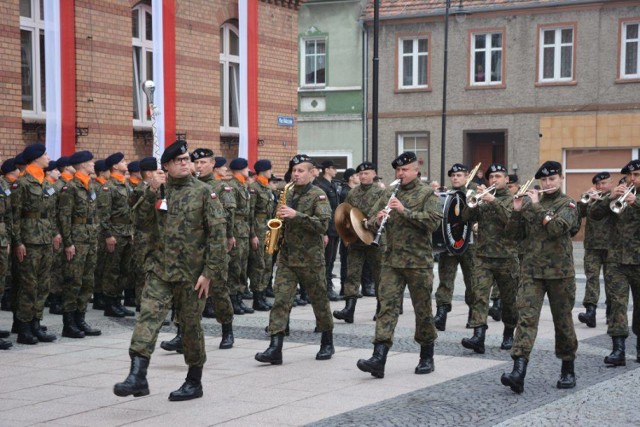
76,221
121,221
35,215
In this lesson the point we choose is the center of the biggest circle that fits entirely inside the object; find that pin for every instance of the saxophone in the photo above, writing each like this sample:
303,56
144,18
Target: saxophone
274,226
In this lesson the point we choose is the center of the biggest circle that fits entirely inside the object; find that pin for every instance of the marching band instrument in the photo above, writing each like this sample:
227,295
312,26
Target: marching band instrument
350,225
590,196
474,198
620,204
453,235
387,210
274,226
522,191
149,87
472,174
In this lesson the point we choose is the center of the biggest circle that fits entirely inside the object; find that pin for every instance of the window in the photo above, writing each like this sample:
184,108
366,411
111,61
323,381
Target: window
486,63
142,40
419,144
32,58
314,61
229,79
629,59
556,55
413,63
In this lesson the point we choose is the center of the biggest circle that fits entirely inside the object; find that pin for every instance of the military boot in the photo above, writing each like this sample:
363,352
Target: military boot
123,309
55,304
4,334
331,294
476,342
440,319
129,297
368,289
70,329
326,346
25,336
237,309
617,356
191,388
98,301
241,304
227,337
111,309
375,364
273,354
269,291
5,302
507,339
174,344
259,302
347,312
5,345
468,325
40,333
136,381
84,326
209,311
515,380
302,298
567,376
496,310
588,317
247,294
638,349
426,364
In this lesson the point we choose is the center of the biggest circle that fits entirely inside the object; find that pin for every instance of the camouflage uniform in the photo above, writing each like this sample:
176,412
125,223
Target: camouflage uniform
301,258
408,260
547,268
242,231
139,246
259,261
101,247
596,241
192,243
57,284
6,225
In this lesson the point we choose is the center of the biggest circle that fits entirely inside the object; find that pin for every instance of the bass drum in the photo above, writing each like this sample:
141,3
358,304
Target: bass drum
453,235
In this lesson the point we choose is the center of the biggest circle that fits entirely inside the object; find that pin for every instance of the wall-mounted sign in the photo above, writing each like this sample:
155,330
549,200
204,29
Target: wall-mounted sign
286,121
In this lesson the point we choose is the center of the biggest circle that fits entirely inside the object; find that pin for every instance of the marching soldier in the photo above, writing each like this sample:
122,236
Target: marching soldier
496,259
547,223
301,259
623,261
186,258
406,261
6,224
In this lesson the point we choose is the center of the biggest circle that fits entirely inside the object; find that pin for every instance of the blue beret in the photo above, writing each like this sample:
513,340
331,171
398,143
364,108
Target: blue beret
549,168
62,162
173,151
80,157
262,165
220,161
366,166
405,158
495,167
9,165
114,159
19,159
149,164
238,164
52,165
134,166
633,165
599,177
457,167
201,153
33,152
100,166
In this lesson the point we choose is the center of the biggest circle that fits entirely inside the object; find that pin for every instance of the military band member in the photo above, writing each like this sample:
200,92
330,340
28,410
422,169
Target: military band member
301,260
547,222
414,211
185,260
623,262
6,224
496,259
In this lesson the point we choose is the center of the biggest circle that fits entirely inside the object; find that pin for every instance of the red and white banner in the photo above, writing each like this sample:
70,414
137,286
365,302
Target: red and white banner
248,112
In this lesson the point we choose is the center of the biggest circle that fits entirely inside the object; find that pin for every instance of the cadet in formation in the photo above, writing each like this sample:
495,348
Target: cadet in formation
6,219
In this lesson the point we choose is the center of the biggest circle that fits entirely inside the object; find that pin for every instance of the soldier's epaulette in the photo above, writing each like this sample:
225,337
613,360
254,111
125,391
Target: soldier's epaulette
214,196
105,188
227,189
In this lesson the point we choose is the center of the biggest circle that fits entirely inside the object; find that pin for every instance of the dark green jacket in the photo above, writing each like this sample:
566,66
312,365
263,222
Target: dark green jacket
6,216
597,232
114,211
77,213
227,196
34,211
624,240
263,205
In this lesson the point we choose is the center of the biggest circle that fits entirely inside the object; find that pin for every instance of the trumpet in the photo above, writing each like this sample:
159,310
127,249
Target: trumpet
474,198
620,204
591,196
472,174
387,210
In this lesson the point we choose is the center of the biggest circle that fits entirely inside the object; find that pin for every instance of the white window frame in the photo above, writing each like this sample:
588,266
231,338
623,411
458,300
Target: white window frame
416,57
557,58
34,25
334,154
402,147
303,62
488,58
623,51
139,75
227,61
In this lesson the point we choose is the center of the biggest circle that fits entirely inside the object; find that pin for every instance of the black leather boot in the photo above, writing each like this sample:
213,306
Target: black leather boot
247,294
515,380
326,346
5,302
496,310
111,309
269,291
440,319
567,376
123,309
237,309
589,317
191,388
5,345
174,344
4,334
55,304
70,329
507,339
227,337
84,326
98,301
209,311
39,333
129,297
638,350
273,354
617,356
242,305
368,289
25,336
476,342
347,312
259,302
136,381
375,364
426,364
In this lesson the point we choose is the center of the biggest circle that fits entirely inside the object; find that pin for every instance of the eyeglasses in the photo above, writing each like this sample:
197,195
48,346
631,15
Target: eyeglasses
182,160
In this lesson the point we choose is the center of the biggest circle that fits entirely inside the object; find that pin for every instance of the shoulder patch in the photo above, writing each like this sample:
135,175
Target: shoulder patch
322,197
227,189
251,190
214,196
15,185
105,188
572,205
65,188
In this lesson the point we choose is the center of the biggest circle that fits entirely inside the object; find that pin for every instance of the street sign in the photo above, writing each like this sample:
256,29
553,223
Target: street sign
287,121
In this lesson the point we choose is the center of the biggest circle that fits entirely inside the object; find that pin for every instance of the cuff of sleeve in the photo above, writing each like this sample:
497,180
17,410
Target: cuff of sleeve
208,273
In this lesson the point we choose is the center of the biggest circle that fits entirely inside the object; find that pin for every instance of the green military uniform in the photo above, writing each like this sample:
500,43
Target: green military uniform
6,225
97,184
242,231
260,262
56,287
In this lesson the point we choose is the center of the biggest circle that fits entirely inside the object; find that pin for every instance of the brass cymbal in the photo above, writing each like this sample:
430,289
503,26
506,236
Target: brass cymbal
342,220
357,222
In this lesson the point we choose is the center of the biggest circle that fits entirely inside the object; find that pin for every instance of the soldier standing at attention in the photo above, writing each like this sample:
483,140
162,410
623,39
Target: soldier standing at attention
10,174
134,180
186,258
414,211
496,260
102,175
623,262
78,224
6,223
546,222
301,260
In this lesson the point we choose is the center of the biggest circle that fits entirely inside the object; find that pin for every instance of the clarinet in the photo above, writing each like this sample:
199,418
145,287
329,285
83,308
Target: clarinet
387,210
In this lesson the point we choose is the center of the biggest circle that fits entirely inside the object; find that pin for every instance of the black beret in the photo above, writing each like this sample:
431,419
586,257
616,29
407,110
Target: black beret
262,165
238,164
513,178
133,166
366,166
549,168
251,173
19,159
100,166
220,161
33,152
633,165
149,164
300,158
405,158
52,165
348,174
274,179
80,157
173,151
9,165
114,159
457,167
201,153
496,167
599,177
63,162
327,164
